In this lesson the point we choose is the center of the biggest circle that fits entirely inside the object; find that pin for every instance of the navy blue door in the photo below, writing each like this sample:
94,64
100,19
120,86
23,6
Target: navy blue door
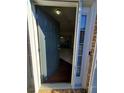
50,28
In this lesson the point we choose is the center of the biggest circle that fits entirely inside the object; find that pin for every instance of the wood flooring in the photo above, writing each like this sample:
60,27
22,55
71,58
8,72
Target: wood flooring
63,73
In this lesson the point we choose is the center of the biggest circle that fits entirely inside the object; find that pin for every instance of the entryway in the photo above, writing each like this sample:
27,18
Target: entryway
42,31
51,49
56,28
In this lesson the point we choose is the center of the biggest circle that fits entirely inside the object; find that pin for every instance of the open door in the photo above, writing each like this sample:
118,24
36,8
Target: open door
48,42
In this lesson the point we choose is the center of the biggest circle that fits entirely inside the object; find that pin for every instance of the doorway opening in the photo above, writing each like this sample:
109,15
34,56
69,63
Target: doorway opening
56,28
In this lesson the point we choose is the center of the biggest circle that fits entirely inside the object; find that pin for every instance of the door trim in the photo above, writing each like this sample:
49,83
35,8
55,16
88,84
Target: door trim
32,27
64,4
88,39
55,3
77,80
76,35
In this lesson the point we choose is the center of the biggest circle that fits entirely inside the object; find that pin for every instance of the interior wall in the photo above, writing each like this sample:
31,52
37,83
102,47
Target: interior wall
50,28
66,20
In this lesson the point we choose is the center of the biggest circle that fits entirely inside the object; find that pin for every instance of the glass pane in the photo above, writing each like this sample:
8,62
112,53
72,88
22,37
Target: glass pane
82,37
79,65
80,51
81,43
83,22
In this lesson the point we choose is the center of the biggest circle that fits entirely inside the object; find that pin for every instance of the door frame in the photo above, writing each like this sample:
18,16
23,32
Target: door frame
32,28
88,42
85,11
76,36
64,4
76,82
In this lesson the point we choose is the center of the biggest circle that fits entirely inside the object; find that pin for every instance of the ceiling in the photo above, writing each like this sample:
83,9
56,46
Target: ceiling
66,18
86,3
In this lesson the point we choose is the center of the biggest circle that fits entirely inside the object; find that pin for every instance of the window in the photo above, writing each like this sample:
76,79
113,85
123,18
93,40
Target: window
83,22
81,43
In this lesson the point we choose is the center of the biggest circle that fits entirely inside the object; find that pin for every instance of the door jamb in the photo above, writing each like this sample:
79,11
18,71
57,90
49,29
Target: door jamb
88,40
55,3
63,4
33,45
77,81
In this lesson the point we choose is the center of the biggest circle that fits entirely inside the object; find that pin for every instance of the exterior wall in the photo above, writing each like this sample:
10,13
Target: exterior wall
91,53
30,79
92,72
94,84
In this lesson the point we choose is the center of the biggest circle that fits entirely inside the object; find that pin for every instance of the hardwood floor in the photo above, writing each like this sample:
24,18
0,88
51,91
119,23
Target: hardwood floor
63,74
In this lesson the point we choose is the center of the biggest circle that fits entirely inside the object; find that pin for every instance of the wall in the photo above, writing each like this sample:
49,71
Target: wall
50,28
92,52
94,84
30,80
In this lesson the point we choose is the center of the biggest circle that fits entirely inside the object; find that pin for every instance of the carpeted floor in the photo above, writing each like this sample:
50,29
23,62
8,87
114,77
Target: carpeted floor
63,74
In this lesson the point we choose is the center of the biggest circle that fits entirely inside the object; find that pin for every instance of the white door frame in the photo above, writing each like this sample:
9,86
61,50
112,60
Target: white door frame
77,81
32,27
88,42
76,38
85,11
64,4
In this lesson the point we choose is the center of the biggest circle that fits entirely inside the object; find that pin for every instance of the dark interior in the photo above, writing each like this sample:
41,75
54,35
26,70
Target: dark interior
59,36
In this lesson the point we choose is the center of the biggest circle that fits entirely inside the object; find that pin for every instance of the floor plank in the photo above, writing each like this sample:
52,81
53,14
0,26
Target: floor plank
63,73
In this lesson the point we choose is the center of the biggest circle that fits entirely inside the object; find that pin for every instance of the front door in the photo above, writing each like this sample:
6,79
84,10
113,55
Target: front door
48,40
